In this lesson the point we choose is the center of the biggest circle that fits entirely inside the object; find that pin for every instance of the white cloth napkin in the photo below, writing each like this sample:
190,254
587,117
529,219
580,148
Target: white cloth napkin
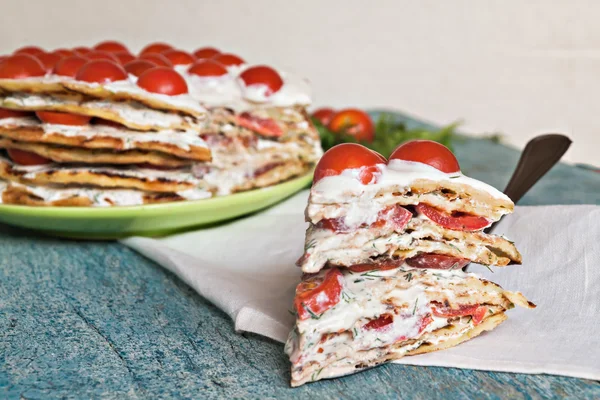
247,269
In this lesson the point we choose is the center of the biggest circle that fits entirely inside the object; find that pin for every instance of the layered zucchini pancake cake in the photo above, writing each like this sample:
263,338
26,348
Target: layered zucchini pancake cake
384,253
106,128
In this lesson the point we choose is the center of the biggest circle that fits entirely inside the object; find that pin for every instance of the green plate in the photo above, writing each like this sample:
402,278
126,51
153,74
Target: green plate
147,220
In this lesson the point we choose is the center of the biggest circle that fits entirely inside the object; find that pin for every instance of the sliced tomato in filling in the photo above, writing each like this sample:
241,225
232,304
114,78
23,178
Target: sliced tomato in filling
456,221
22,157
316,295
476,311
379,266
437,261
262,126
396,216
380,323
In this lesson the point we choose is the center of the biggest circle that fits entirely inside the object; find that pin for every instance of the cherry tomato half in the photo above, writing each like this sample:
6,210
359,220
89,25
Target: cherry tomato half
207,68
101,55
64,52
101,71
354,122
69,66
263,76
124,57
21,66
81,50
427,152
59,118
31,50
179,57
228,60
49,59
316,295
349,156
157,47
138,67
111,46
323,115
157,59
455,221
26,158
163,80
206,52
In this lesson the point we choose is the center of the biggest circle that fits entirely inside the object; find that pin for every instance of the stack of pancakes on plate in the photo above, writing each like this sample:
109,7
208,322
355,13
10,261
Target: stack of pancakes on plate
105,134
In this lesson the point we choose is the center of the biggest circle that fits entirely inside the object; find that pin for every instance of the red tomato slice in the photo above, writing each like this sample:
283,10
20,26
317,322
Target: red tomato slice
81,50
323,115
396,216
59,118
427,152
379,266
477,311
261,75
316,295
101,55
26,158
353,122
380,323
228,60
64,52
456,221
206,52
437,261
124,57
262,126
163,80
157,59
111,46
101,71
427,319
179,57
138,67
31,50
49,60
157,47
21,66
207,68
6,113
69,66
349,156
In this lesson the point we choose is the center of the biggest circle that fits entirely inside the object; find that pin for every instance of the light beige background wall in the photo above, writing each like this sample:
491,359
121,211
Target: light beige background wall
520,68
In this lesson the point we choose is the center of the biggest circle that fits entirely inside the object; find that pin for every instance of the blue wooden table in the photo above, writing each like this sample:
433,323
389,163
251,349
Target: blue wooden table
97,320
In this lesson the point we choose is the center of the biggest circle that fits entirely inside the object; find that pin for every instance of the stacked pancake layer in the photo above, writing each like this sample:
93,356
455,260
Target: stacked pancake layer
383,268
142,147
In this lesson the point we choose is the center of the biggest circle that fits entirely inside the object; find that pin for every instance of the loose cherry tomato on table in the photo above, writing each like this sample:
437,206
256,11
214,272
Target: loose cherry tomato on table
323,115
437,261
111,46
316,295
354,122
228,60
427,152
138,67
207,68
157,59
101,71
69,66
6,113
349,156
31,50
157,47
101,55
163,80
455,221
59,118
179,57
22,157
49,60
262,75
124,57
206,52
21,66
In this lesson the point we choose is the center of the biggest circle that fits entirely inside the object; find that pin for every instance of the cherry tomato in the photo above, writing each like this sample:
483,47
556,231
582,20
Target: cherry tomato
163,80
64,52
455,221
111,46
138,67
206,68
26,158
263,76
101,55
316,295
477,311
179,57
69,66
31,50
349,156
49,60
21,66
228,60
6,113
124,57
262,126
101,71
437,261
323,115
354,122
59,118
427,152
206,52
157,47
81,50
378,324
157,59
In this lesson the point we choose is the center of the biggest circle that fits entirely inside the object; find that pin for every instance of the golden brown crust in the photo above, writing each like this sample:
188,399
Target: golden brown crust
30,86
